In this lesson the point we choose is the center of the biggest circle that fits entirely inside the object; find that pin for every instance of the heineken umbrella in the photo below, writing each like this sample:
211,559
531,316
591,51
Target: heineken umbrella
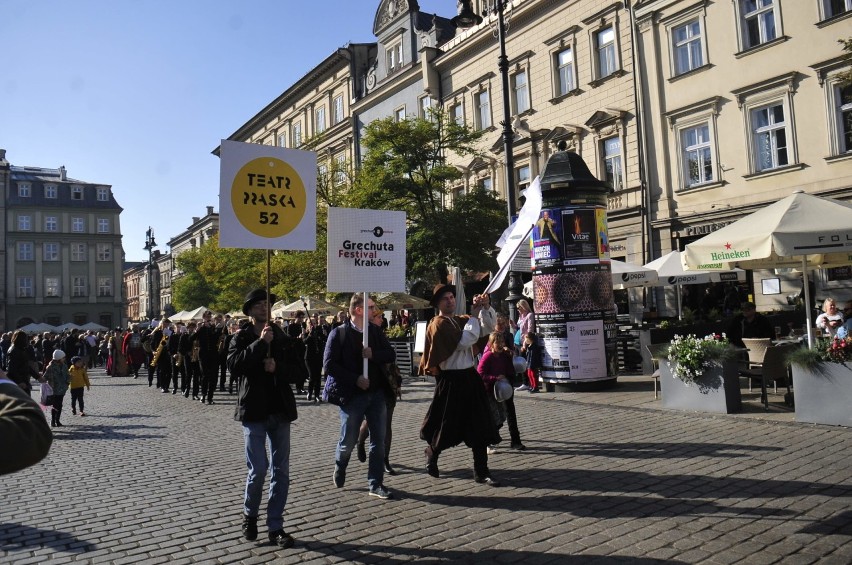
670,271
800,230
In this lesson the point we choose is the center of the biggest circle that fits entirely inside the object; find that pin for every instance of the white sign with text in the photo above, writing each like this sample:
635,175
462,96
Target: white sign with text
366,250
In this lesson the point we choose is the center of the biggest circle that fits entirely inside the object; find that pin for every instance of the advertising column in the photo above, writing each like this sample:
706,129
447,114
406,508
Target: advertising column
575,312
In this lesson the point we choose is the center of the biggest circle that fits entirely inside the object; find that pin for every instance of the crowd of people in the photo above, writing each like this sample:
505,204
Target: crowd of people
267,364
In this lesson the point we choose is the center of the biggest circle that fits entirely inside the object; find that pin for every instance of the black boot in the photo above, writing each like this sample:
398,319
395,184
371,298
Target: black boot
432,463
249,527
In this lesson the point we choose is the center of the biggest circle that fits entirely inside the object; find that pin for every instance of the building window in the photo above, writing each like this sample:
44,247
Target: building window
322,171
338,109
757,22
520,92
697,154
612,162
51,223
78,286
425,108
25,287
565,72
340,169
25,251
483,110
25,223
50,252
104,286
320,115
103,194
833,8
522,179
76,193
399,114
687,47
103,225
457,112
50,191
77,225
282,138
769,137
486,184
104,252
394,57
843,101
607,61
51,286
24,190
78,251
297,134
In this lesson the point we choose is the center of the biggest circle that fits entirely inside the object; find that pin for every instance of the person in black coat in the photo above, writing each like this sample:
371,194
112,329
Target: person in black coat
266,406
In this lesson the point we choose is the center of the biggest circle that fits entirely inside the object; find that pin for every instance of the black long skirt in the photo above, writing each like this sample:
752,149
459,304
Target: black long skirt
459,412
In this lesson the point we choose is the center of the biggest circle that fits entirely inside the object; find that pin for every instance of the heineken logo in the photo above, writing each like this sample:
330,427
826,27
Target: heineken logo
729,254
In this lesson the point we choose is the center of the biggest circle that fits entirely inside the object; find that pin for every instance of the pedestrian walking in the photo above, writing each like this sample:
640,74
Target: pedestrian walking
79,378
265,407
58,378
459,411
359,396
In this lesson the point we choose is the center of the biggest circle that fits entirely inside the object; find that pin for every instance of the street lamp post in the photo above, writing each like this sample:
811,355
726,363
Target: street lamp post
466,18
150,244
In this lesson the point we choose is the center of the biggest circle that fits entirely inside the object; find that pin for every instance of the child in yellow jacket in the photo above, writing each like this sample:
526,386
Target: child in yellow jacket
79,379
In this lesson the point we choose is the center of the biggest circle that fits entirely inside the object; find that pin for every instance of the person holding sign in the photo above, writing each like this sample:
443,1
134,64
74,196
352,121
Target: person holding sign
359,396
459,411
266,407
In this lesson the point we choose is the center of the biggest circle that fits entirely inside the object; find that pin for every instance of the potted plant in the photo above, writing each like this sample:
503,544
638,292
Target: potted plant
701,374
822,382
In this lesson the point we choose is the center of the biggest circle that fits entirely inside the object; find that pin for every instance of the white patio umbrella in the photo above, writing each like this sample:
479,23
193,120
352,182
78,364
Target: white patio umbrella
314,306
670,271
801,230
627,275
37,328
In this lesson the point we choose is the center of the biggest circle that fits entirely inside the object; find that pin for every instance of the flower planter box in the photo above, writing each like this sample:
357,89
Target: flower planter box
717,391
824,394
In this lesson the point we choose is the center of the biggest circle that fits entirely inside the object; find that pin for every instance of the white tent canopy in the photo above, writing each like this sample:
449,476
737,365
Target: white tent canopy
314,306
94,327
190,315
37,328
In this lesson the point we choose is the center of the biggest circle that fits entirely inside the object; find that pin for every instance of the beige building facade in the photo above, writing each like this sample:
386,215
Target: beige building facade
742,106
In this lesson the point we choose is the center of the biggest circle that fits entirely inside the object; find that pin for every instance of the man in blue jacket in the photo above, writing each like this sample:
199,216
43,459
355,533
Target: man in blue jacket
358,395
266,407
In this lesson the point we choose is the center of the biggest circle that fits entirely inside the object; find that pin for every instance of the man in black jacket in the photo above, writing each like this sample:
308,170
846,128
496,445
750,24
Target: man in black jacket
266,407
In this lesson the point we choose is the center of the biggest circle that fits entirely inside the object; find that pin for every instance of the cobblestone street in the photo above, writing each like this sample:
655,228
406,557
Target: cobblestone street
151,478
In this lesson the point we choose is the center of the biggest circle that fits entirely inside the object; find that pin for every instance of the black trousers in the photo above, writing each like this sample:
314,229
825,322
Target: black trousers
77,397
208,382
512,420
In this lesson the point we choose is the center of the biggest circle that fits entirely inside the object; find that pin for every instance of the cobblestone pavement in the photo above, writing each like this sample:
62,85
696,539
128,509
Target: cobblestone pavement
153,478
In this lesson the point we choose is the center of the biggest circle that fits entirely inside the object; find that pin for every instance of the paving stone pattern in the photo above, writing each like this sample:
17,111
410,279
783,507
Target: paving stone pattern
149,478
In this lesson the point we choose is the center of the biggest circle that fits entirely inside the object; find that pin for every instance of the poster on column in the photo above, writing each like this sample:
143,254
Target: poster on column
267,197
366,250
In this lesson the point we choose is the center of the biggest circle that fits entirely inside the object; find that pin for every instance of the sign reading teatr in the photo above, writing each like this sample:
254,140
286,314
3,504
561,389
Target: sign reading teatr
267,197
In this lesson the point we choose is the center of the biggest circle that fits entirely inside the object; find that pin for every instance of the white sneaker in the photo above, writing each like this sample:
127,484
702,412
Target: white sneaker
492,449
523,388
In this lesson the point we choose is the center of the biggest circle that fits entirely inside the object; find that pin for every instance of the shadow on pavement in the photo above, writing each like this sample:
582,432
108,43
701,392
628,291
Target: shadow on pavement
19,536
391,554
85,432
653,450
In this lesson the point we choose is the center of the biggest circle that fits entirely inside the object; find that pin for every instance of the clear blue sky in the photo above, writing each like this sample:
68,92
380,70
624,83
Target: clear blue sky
136,94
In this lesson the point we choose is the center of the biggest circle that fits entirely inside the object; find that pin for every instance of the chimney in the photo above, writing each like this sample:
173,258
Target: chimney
62,175
3,158
195,219
209,209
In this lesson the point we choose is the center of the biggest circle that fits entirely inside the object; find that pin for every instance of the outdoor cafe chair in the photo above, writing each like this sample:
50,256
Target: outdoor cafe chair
756,350
774,368
656,351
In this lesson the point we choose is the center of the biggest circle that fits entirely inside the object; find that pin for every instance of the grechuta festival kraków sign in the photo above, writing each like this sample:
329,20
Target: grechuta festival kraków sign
366,250
267,197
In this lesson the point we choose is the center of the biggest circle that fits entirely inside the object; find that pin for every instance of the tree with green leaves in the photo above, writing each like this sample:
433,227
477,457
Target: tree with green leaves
406,168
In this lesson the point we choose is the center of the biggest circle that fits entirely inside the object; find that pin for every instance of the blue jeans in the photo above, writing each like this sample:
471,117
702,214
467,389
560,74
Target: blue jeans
277,431
370,405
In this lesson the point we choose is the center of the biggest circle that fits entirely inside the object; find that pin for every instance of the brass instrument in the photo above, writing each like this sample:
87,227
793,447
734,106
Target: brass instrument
194,355
220,347
178,357
160,349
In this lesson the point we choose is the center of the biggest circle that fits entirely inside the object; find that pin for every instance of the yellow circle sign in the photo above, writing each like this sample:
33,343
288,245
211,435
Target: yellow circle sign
268,197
